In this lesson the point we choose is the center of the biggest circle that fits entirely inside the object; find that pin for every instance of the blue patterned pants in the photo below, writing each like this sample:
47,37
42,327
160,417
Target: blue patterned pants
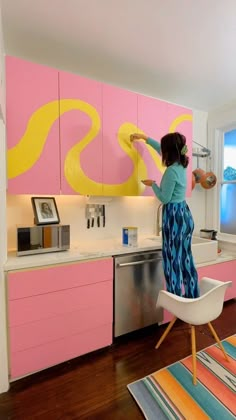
178,264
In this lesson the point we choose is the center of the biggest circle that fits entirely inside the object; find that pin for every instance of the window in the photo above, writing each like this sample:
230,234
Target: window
228,184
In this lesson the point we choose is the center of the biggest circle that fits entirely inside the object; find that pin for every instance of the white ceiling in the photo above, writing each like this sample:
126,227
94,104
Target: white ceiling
183,51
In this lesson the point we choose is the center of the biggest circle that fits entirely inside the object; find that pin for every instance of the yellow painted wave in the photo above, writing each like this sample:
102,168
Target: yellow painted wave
28,150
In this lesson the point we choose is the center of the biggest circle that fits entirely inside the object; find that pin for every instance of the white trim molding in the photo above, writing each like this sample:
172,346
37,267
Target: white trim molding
219,121
4,381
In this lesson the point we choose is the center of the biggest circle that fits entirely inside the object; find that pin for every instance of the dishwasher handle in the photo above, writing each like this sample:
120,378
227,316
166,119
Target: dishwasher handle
139,262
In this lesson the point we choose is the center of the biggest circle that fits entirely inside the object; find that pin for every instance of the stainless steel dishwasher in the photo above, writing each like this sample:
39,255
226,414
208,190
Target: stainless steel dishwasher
138,280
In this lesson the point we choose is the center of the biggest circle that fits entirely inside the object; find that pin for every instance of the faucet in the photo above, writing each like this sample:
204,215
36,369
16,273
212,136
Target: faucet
158,222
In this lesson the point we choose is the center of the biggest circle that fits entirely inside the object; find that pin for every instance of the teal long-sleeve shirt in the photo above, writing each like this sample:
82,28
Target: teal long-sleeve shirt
173,185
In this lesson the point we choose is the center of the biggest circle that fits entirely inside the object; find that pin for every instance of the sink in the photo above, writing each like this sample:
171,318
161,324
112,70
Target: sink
204,250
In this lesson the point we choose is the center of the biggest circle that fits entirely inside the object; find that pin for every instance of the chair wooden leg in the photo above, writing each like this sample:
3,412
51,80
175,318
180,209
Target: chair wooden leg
167,330
193,340
217,340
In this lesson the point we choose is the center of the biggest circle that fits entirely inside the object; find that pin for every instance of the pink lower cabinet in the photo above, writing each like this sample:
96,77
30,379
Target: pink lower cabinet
58,313
224,272
167,316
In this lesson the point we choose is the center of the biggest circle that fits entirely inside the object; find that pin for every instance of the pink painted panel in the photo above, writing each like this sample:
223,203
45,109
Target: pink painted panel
167,316
152,120
175,112
156,118
23,311
41,357
76,124
119,121
30,86
152,116
40,281
44,331
224,272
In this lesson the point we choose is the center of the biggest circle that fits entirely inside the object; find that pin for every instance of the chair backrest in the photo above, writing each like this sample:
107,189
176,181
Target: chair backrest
198,311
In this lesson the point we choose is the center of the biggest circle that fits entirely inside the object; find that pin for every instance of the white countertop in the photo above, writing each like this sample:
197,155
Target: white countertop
79,252
223,257
96,249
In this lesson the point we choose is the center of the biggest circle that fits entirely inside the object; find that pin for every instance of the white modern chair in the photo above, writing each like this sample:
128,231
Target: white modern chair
198,311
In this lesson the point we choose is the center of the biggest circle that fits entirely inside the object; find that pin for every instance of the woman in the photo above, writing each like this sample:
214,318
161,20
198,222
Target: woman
177,221
46,211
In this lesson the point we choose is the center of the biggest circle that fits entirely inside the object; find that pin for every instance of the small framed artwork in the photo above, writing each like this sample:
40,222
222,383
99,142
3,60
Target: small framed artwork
45,210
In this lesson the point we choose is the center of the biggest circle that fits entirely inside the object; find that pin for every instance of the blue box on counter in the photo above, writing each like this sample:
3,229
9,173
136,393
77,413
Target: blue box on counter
130,236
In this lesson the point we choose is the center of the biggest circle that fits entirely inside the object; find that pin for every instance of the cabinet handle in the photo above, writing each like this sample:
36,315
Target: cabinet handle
138,262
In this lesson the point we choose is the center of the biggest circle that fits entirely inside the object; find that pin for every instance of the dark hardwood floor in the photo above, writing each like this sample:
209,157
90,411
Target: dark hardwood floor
94,386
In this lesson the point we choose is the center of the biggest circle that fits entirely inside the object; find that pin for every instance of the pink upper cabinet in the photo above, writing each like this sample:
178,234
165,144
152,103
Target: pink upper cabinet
180,119
80,135
152,121
32,116
157,118
120,170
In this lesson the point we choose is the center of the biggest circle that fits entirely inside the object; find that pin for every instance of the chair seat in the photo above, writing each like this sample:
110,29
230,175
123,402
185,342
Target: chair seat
197,311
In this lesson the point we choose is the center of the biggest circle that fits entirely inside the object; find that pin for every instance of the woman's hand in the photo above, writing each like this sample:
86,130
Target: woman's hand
148,182
138,136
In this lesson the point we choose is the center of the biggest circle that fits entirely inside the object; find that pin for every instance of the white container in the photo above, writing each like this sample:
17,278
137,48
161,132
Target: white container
130,236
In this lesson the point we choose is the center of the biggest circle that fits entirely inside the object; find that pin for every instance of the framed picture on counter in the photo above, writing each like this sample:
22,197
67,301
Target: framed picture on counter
45,210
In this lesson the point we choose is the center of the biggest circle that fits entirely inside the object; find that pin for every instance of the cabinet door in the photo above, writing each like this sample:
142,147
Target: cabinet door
32,128
180,119
152,121
223,272
80,135
157,118
120,171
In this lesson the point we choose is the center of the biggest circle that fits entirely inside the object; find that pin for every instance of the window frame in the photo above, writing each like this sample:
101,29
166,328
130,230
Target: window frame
219,122
222,182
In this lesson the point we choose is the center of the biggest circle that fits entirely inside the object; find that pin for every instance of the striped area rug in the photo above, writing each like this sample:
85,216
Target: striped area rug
170,394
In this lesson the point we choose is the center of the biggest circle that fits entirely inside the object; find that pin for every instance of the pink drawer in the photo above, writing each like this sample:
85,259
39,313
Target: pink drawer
36,333
44,280
24,311
41,357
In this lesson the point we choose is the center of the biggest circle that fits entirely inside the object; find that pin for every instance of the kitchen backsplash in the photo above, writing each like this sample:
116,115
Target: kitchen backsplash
120,212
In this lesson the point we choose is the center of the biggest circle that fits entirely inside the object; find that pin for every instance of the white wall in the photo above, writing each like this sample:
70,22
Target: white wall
120,211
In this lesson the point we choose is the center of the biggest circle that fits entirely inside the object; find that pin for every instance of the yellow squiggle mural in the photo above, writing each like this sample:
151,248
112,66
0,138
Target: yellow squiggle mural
181,118
24,155
74,174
